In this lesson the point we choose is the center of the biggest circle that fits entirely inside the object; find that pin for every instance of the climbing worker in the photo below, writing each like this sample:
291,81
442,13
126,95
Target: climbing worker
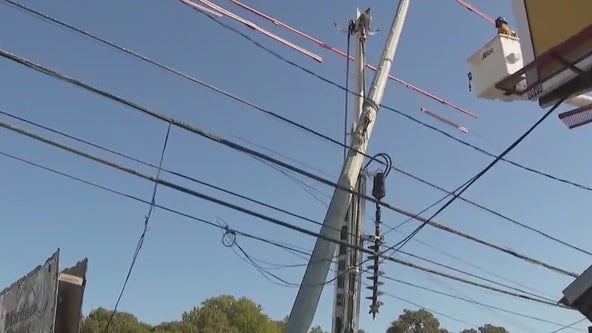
503,28
364,22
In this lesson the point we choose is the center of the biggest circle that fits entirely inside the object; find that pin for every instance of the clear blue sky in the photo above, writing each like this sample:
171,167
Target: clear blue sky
183,263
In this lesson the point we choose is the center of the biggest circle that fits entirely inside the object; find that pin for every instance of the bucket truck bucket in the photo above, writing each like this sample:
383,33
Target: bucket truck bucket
495,61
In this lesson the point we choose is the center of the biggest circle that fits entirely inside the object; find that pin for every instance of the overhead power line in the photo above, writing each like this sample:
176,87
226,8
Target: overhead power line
495,213
243,149
467,300
480,174
338,85
288,248
474,275
261,216
411,218
142,235
569,325
284,283
176,212
209,185
462,321
287,120
103,41
75,138
163,169
348,57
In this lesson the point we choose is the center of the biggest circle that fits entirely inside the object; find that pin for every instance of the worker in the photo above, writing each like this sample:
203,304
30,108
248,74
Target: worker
364,22
503,28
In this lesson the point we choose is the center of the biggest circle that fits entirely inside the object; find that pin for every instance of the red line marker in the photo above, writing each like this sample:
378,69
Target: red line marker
201,8
476,11
343,54
265,32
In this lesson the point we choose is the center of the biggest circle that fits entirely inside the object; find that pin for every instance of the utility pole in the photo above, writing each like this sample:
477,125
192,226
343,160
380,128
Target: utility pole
346,303
309,293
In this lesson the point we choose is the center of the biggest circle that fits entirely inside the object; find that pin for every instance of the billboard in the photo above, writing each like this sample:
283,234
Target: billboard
554,33
71,284
29,304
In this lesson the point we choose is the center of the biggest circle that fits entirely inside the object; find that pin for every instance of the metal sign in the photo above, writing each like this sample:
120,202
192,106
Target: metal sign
29,304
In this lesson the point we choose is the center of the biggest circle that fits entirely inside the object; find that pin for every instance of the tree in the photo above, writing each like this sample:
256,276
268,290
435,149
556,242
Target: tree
488,328
226,314
420,321
121,323
175,327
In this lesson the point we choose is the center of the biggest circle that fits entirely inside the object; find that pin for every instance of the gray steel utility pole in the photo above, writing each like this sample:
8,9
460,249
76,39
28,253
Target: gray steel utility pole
306,302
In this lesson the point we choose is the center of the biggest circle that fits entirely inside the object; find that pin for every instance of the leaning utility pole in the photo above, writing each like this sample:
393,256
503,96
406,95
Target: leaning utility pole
309,293
346,303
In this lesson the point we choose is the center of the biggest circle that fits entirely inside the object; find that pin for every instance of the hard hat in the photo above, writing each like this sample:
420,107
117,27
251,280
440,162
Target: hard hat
499,21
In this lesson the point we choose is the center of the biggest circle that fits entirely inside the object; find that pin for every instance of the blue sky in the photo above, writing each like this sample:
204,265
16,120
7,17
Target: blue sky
182,263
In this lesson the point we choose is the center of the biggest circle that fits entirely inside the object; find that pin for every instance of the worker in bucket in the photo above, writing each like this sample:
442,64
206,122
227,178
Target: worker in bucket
503,28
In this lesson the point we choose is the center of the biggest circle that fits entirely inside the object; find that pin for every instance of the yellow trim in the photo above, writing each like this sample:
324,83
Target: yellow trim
551,22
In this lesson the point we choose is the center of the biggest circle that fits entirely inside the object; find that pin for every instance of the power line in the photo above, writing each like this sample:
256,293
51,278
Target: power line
243,149
262,216
249,260
495,213
455,196
333,83
414,285
458,259
569,326
434,291
443,252
429,309
473,275
418,215
481,173
142,235
289,248
171,172
289,284
465,299
284,247
484,270
300,126
517,324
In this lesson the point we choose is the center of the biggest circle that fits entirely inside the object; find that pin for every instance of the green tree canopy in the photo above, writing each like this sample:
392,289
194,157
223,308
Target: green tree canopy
487,328
420,321
227,314
121,323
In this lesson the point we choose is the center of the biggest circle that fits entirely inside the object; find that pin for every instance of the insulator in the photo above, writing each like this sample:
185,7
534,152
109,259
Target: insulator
378,189
372,267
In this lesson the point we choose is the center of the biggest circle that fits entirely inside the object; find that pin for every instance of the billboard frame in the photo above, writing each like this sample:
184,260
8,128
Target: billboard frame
22,310
579,84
